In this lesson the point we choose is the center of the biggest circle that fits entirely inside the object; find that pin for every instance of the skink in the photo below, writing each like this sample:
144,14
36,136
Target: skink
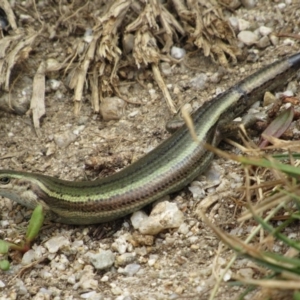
166,169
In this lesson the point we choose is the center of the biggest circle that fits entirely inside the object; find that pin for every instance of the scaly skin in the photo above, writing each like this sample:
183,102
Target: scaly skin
166,169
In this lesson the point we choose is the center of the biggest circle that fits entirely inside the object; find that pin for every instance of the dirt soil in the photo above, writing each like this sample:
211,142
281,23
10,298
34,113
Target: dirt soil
185,267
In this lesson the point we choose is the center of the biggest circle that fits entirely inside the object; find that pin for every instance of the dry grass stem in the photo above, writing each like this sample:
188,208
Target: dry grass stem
97,39
37,104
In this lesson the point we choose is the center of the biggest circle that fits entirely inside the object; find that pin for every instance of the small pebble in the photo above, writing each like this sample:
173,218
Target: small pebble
111,108
166,68
184,228
246,272
88,35
249,3
281,6
128,42
64,139
152,259
199,81
248,37
234,23
92,296
292,86
28,257
197,190
56,243
52,64
243,24
102,260
125,259
164,215
234,4
120,245
177,53
263,30
264,42
274,39
137,218
130,269
54,84
116,290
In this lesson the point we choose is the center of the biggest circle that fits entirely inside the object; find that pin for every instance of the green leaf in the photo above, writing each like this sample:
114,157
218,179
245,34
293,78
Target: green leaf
4,247
4,265
296,296
35,224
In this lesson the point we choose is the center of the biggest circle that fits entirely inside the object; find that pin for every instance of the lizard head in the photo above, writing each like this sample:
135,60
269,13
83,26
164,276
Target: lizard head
17,186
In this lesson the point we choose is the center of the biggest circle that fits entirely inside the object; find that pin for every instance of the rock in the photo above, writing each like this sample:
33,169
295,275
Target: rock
87,280
243,24
165,68
177,53
64,139
92,296
120,245
248,37
28,257
199,81
137,218
164,215
125,259
246,272
56,243
249,3
263,30
111,108
130,269
274,39
269,98
102,260
264,42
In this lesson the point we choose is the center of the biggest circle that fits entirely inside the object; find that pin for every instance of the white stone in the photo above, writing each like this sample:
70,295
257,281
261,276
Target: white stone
263,42
120,245
102,260
166,68
246,272
129,270
281,6
152,259
56,243
274,39
92,296
288,42
197,190
263,30
184,228
28,257
54,84
177,53
234,23
164,215
199,81
64,139
249,3
111,108
243,24
138,217
247,37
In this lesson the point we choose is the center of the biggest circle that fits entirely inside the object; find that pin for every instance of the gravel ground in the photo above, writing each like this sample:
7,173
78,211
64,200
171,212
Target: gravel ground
115,260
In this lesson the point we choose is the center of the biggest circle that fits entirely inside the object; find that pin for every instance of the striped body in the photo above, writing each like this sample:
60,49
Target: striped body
166,169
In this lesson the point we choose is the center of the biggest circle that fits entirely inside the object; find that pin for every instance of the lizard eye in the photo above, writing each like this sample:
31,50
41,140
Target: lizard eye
4,180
